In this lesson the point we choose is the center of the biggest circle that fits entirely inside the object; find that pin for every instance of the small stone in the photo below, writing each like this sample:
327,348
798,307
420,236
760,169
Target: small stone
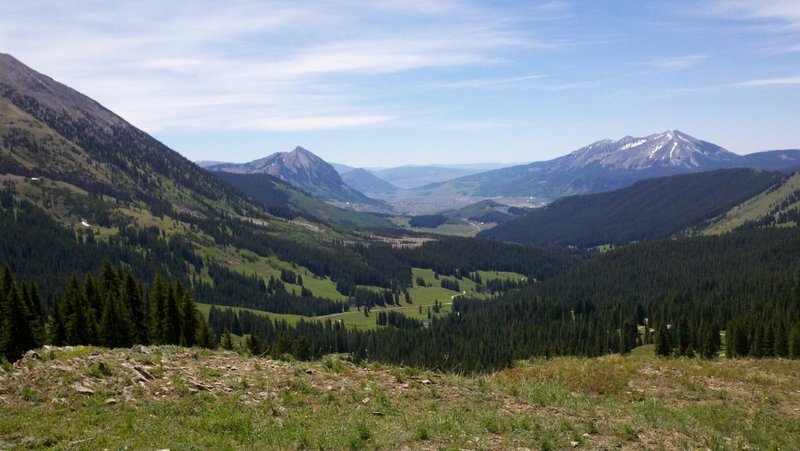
82,389
574,444
404,385
365,401
329,387
425,381
111,401
143,373
310,371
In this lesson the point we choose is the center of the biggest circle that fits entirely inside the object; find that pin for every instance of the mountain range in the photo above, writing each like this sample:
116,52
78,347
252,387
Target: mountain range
367,182
304,170
607,165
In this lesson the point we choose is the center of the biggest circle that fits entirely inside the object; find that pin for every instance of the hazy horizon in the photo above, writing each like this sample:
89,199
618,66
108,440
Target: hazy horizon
424,82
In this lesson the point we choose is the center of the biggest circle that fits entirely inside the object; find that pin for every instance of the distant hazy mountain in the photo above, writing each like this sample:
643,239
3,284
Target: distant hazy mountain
414,176
367,182
341,168
650,209
206,163
304,170
607,165
774,160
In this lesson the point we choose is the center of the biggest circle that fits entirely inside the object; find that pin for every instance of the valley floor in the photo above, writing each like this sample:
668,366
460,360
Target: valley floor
168,397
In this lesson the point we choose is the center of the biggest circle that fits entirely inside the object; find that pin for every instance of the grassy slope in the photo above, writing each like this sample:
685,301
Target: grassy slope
218,400
753,209
420,296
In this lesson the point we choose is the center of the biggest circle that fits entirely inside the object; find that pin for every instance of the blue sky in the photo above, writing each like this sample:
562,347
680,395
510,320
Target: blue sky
423,81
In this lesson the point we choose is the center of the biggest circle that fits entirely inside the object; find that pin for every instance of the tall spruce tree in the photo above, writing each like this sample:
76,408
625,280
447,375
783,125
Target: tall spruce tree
663,341
116,327
16,333
189,320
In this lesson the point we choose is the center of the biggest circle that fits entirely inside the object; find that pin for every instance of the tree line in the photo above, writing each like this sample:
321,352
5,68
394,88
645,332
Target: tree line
110,309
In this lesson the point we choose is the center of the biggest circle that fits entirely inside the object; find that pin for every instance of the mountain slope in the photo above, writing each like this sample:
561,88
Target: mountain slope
277,194
53,132
367,182
304,170
650,209
604,166
407,177
777,206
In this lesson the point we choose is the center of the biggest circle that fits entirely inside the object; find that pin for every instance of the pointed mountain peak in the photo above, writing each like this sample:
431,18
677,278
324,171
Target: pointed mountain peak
300,149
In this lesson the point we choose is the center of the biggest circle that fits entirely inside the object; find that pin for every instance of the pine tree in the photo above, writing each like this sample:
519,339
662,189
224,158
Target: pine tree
116,327
301,349
79,326
281,346
709,347
56,326
253,345
134,300
172,315
158,299
16,334
190,322
94,300
227,340
663,341
781,341
205,338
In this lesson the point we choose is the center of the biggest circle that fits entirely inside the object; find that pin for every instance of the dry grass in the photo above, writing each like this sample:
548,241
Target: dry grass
177,398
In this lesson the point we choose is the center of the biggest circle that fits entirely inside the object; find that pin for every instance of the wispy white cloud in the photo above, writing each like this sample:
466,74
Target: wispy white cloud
764,82
527,82
786,12
251,64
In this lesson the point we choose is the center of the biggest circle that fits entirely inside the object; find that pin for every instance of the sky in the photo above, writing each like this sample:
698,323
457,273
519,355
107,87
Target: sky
388,83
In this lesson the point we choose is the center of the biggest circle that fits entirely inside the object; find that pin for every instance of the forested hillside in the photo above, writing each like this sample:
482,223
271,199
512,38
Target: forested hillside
284,200
652,209
677,294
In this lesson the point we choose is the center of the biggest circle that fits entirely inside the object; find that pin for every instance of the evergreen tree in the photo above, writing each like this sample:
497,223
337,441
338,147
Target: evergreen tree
137,307
205,338
172,315
781,341
301,349
33,302
709,346
254,345
190,323
227,340
281,346
79,324
663,341
158,301
116,328
16,334
56,324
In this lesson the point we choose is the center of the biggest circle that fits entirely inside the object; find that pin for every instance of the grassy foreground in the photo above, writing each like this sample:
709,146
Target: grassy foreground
152,398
